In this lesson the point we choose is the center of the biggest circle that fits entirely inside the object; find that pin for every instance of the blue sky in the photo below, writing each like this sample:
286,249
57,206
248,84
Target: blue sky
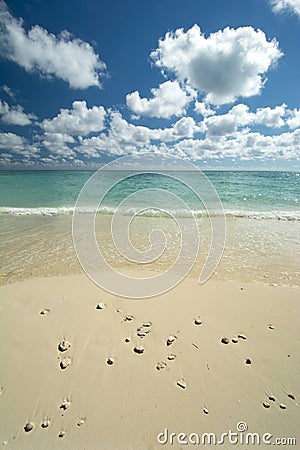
210,81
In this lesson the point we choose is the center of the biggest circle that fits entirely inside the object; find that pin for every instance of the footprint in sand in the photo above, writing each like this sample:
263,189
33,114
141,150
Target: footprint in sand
45,423
266,405
65,362
234,340
242,336
81,421
181,383
62,433
225,340
128,318
272,398
64,345
66,403
139,349
44,312
291,396
205,411
161,365
170,340
171,357
29,427
110,361
282,406
198,321
101,306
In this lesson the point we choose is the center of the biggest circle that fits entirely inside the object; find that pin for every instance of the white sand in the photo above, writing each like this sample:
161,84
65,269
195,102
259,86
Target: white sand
126,404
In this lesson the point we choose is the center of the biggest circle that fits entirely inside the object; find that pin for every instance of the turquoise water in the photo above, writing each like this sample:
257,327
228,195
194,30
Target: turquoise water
262,223
243,194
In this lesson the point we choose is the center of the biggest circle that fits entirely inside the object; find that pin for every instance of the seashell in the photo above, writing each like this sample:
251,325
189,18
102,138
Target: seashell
171,339
161,365
45,311
171,357
62,434
65,404
281,406
242,336
266,405
65,362
197,321
29,427
110,361
46,423
181,383
138,349
205,410
64,345
225,340
101,306
248,361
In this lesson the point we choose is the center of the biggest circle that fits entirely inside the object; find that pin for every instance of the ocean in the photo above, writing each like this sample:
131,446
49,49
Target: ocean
261,209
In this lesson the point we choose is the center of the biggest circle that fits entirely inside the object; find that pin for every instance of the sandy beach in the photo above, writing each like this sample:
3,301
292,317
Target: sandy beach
83,369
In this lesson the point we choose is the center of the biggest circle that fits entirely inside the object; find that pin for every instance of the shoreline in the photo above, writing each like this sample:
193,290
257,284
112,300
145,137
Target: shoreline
207,387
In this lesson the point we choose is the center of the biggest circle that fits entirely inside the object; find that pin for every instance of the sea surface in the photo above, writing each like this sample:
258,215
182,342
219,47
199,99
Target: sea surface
261,209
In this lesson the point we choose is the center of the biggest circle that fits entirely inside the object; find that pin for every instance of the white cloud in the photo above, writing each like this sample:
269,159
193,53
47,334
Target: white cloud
294,120
78,121
168,100
230,63
204,109
124,137
227,124
271,117
15,115
12,142
286,5
57,143
37,50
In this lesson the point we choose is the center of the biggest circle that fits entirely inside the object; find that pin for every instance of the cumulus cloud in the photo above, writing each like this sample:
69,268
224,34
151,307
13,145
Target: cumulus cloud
15,115
293,6
168,100
204,109
271,117
37,50
227,124
124,137
12,142
294,120
80,120
228,64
